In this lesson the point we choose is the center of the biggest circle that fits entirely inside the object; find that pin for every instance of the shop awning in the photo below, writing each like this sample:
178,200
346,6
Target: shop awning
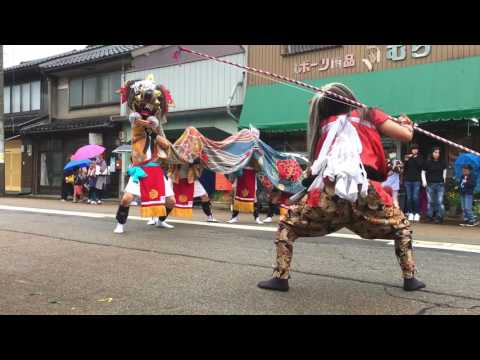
427,92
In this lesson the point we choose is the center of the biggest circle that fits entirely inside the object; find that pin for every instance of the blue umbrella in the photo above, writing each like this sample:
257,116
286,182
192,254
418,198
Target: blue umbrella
474,162
75,164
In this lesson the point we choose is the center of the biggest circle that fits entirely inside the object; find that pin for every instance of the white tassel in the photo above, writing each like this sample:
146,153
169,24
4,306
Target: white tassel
340,161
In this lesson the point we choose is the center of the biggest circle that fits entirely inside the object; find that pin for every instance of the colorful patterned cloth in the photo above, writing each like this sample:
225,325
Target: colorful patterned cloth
233,154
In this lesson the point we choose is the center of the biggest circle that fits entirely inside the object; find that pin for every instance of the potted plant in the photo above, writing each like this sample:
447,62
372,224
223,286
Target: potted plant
453,201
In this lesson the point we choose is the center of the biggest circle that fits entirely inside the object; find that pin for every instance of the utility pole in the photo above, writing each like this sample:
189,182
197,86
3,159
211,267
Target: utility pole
2,133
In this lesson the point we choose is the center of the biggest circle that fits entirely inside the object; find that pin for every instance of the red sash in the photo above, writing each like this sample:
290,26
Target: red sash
246,192
184,198
152,190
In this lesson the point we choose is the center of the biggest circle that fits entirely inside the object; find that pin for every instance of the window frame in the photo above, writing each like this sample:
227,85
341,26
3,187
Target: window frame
9,99
21,85
39,95
97,78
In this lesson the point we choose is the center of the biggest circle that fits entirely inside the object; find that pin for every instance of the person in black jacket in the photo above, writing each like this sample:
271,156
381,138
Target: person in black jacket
467,185
434,175
412,180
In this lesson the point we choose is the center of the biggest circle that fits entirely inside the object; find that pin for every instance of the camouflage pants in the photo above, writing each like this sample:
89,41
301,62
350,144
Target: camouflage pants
368,217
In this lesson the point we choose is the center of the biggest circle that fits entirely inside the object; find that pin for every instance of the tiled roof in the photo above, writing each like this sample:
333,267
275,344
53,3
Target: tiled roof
28,64
91,55
58,125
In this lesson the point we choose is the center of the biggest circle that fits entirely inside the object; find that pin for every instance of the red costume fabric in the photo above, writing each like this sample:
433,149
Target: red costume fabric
246,191
184,198
152,190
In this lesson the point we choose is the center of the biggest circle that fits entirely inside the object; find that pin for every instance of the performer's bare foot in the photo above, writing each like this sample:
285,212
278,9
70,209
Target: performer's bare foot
118,229
163,224
274,284
412,284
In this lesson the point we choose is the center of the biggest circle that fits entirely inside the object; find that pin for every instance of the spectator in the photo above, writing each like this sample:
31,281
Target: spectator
467,184
412,179
395,168
92,180
101,173
434,175
67,183
79,185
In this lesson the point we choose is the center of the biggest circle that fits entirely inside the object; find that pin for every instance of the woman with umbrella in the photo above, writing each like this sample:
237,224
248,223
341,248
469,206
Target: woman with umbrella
79,178
94,152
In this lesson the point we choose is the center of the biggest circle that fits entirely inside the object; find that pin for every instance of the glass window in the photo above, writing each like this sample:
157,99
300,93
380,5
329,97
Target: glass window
16,98
26,97
116,83
89,91
95,90
43,170
6,99
36,95
104,89
75,91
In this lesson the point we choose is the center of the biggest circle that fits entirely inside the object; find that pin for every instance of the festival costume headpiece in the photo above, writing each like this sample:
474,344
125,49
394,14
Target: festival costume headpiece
146,94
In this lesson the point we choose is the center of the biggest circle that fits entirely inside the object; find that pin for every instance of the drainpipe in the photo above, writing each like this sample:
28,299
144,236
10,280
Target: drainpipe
230,99
240,83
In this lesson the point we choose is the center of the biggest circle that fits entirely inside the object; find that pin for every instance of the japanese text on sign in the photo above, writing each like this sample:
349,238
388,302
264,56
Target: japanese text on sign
373,55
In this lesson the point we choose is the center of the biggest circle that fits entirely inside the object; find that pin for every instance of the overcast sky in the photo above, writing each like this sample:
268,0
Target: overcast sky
15,54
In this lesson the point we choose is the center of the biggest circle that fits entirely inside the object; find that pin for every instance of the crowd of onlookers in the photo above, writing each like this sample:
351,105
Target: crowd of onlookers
431,174
86,184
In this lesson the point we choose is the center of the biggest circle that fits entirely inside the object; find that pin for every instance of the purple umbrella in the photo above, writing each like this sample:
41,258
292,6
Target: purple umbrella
88,152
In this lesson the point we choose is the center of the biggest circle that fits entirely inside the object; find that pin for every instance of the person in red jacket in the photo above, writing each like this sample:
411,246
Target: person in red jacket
344,184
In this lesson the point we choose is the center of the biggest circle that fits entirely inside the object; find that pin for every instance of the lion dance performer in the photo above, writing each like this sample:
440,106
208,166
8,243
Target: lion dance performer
245,192
187,187
149,104
344,184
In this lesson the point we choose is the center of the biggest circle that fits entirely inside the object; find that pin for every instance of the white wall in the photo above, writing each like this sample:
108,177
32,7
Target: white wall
198,85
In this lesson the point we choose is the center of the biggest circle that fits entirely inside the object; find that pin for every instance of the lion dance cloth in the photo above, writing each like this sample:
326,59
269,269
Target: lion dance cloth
232,157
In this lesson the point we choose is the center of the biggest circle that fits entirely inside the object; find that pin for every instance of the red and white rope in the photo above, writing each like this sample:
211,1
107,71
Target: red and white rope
329,93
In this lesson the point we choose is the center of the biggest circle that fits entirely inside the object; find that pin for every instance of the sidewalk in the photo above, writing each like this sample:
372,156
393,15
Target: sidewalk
448,232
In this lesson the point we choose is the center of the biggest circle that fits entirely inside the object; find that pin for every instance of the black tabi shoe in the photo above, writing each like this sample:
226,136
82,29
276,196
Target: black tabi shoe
412,284
274,284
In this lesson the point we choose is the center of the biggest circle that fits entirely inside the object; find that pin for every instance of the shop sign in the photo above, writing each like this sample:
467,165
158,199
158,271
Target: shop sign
373,56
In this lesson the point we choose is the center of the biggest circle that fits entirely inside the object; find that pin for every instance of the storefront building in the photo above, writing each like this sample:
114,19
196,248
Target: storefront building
438,86
82,100
25,103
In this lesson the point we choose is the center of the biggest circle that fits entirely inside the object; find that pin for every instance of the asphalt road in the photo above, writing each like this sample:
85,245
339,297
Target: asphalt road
57,264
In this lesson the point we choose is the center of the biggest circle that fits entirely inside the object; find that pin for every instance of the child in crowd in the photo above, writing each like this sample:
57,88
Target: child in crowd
79,184
467,184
